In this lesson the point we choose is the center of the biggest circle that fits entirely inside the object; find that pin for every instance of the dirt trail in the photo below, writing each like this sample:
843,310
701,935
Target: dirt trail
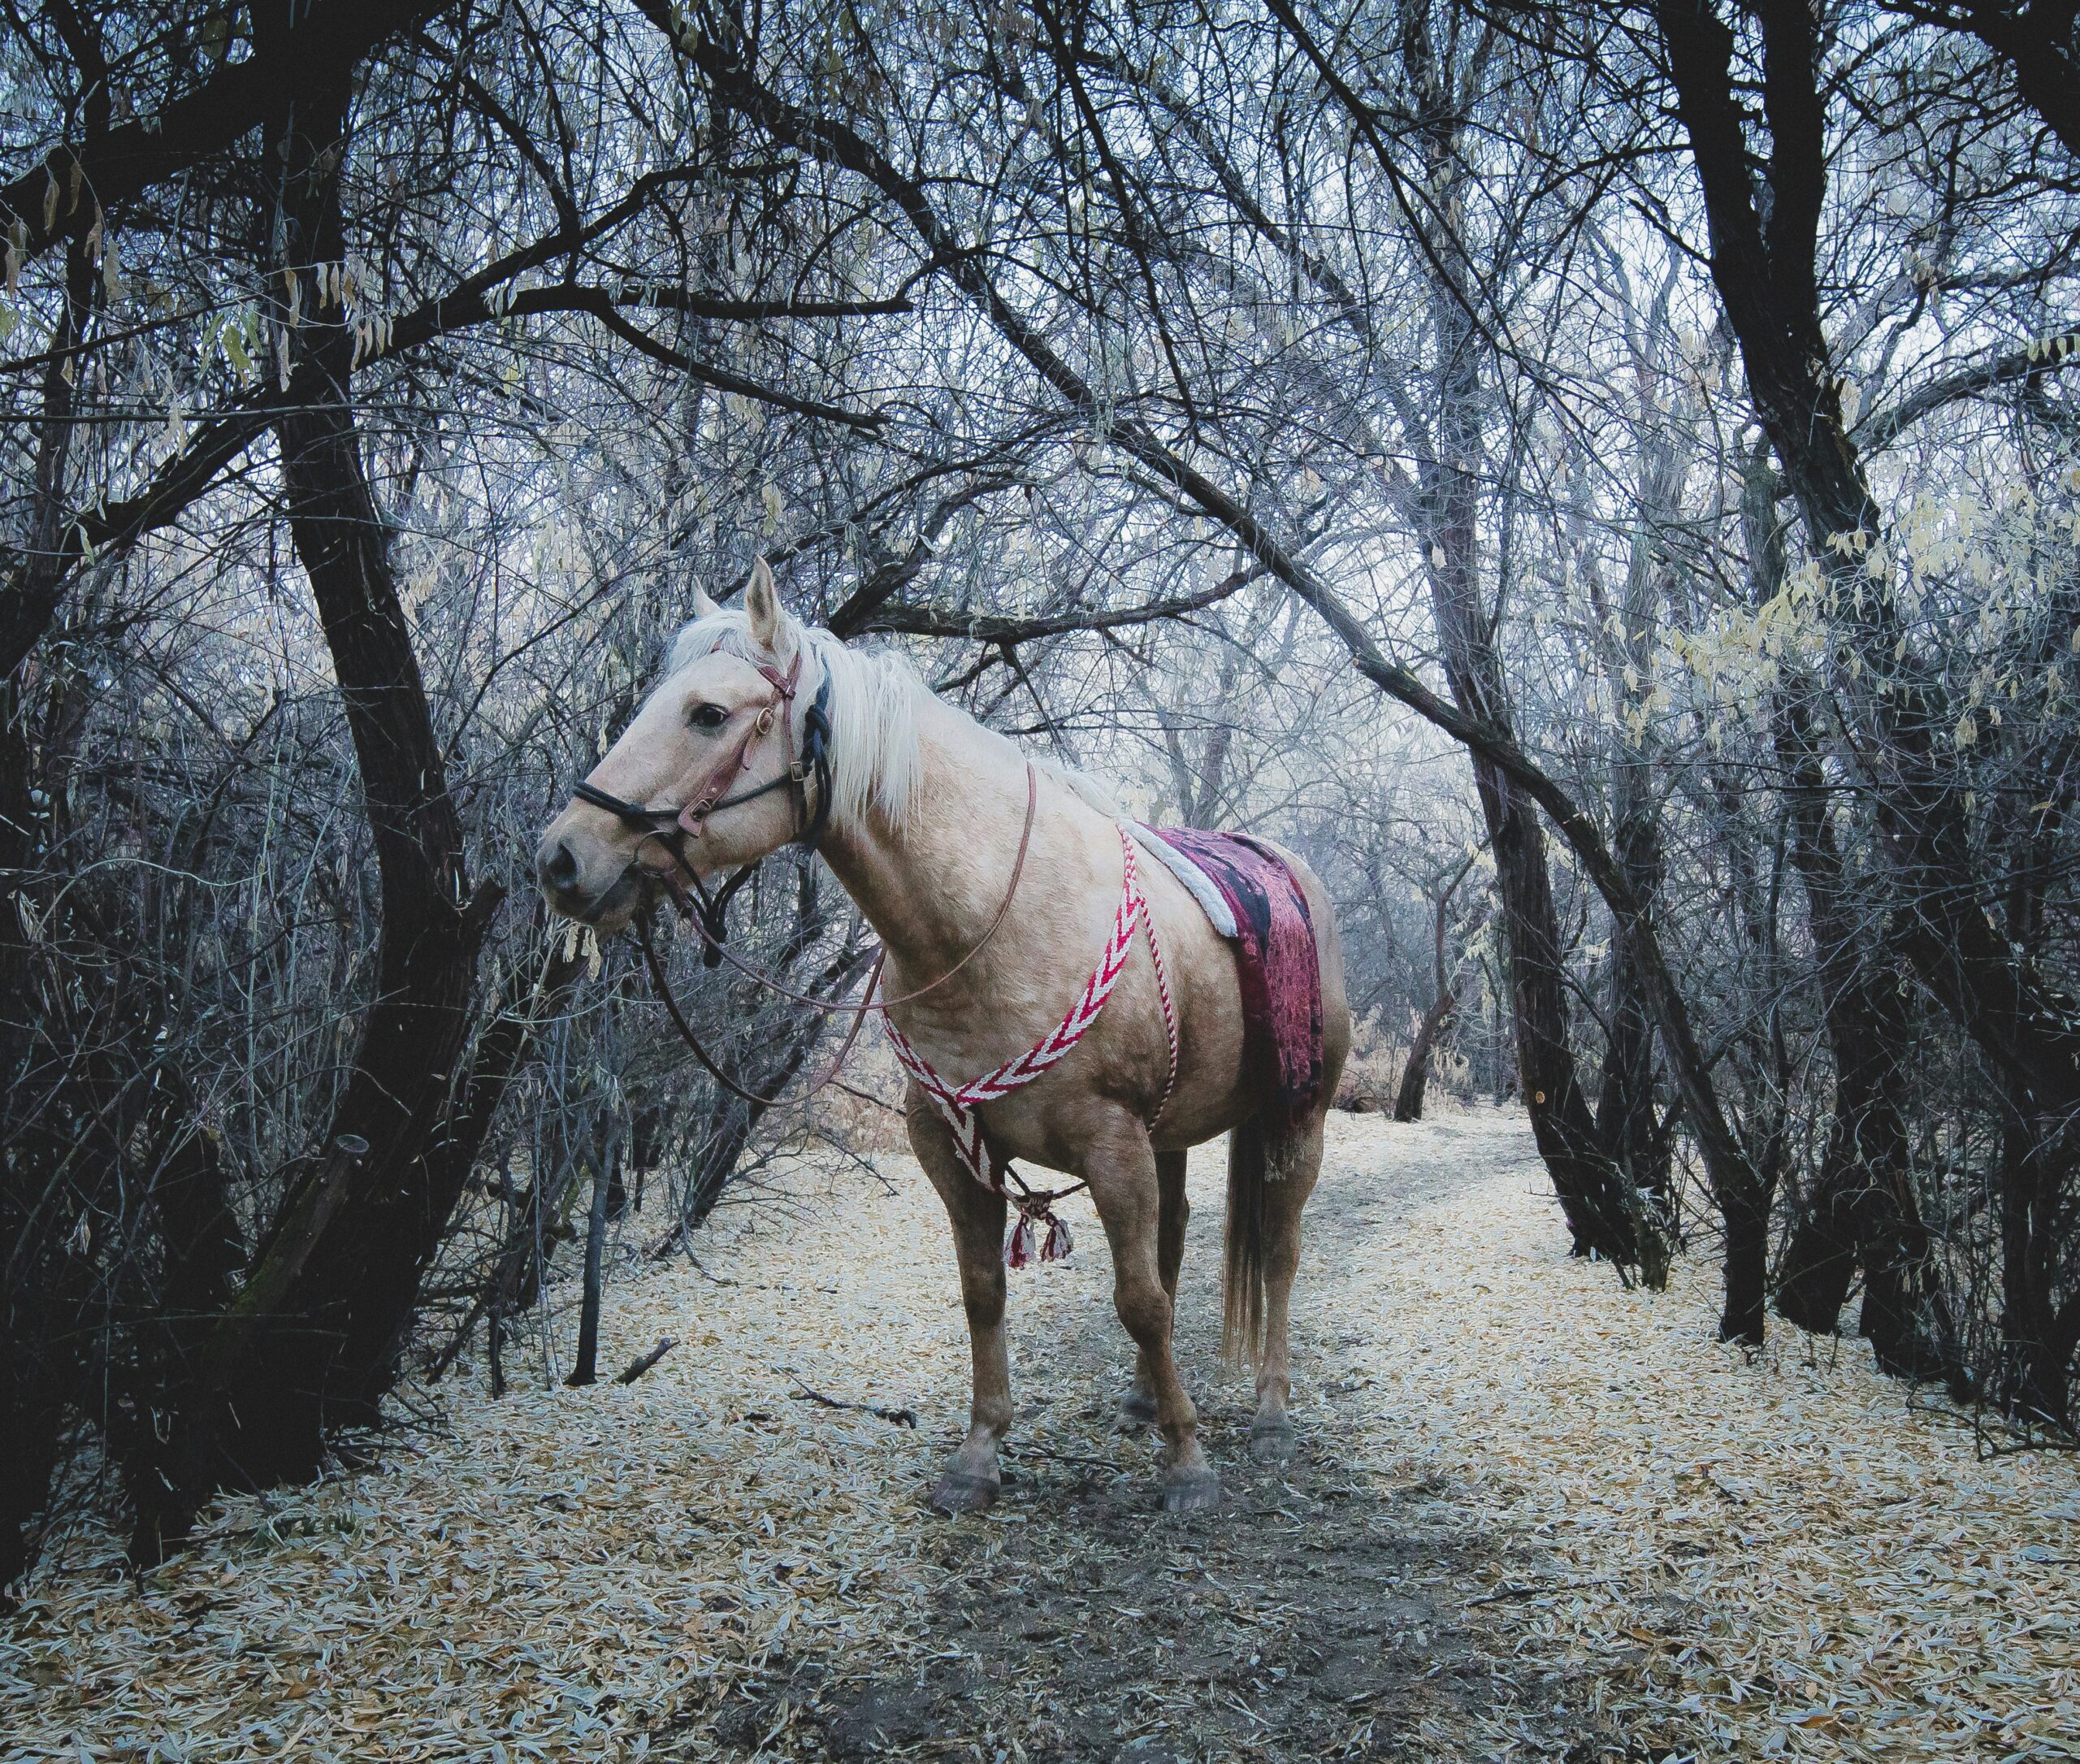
1534,1516
1321,1611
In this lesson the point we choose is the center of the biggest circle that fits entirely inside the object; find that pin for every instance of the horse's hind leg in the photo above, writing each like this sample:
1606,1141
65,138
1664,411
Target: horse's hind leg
971,1479
1120,1167
1295,1164
1138,1406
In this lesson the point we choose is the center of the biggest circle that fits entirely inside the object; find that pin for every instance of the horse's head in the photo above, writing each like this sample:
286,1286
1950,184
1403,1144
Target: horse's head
709,764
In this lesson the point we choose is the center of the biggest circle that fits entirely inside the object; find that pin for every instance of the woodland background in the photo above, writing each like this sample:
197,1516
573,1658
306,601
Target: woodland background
1599,480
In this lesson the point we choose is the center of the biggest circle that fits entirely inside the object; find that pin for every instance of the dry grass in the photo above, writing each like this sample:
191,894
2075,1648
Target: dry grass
1726,1558
1743,1556
558,1574
1371,1072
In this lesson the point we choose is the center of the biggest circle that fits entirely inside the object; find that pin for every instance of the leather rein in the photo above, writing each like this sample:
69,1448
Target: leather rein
808,774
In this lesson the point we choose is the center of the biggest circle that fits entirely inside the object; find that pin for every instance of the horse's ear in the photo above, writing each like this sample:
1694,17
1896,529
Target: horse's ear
769,624
703,603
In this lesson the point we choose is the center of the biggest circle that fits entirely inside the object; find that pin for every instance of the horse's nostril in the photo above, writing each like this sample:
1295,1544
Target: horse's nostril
559,867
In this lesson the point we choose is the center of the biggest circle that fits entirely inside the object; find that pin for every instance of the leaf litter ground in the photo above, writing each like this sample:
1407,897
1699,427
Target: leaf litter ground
1533,1516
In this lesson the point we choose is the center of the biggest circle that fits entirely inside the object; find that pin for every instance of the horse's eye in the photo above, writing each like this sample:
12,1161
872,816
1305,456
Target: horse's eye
708,717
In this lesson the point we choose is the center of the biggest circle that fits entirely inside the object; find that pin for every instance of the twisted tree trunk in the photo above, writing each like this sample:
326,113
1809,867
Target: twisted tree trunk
311,1343
1416,1074
1763,213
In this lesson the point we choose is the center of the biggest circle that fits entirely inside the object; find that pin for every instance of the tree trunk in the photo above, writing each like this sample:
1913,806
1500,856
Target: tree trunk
1415,1075
1603,1219
2036,1390
33,1389
1626,1121
203,1249
356,1291
1820,1260
585,1367
1746,1217
1600,1215
1862,1207
312,1344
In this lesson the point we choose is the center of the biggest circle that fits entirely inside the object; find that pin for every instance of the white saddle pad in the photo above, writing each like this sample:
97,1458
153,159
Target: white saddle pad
1212,901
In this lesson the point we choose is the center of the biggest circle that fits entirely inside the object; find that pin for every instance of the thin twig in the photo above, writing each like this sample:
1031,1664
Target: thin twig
900,1417
1026,1450
638,1367
868,1096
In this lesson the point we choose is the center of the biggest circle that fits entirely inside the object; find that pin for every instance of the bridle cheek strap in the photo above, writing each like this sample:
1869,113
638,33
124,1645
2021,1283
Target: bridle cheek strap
706,797
809,773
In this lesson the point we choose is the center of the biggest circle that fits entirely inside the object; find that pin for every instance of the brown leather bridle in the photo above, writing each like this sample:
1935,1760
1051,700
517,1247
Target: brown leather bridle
808,774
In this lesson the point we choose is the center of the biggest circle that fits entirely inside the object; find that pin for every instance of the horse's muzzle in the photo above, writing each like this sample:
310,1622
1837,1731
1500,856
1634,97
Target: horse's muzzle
587,878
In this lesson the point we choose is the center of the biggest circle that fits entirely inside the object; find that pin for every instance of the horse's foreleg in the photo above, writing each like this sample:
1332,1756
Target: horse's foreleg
971,1479
1299,1163
1121,1169
1174,1213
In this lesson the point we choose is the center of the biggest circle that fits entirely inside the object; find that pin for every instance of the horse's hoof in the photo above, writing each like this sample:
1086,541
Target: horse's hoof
957,1492
1271,1442
1136,1408
1192,1495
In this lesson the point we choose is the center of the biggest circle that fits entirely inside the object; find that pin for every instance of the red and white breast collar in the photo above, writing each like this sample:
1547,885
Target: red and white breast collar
958,1104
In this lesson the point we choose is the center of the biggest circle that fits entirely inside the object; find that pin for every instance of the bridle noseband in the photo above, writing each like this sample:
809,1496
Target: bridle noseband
809,773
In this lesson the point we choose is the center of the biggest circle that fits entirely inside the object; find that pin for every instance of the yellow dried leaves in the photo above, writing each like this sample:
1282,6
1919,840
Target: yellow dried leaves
1765,1558
1827,1574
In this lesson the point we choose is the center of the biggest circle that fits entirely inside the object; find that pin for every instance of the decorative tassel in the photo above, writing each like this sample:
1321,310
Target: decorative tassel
1059,1243
1018,1251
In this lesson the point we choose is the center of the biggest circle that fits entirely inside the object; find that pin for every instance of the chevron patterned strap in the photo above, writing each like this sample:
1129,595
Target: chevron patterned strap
957,1105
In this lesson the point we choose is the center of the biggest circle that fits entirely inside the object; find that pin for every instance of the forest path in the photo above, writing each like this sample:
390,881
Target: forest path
1534,1515
1321,1611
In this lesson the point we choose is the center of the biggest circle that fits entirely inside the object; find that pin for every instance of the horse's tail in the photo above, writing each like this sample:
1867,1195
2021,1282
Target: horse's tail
1251,1157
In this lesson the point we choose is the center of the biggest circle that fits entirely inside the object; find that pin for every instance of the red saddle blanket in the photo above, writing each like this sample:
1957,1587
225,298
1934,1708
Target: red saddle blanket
1276,962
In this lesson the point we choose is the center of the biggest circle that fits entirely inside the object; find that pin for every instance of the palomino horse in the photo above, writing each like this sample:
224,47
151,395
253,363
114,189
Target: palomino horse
993,884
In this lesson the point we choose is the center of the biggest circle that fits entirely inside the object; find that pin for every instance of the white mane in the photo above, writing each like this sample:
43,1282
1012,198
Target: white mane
874,700
875,695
